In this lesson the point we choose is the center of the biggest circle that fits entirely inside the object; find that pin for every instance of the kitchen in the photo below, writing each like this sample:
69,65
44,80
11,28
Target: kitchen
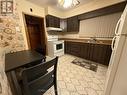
96,43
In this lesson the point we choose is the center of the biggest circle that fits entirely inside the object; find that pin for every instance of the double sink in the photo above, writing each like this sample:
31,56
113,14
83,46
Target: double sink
94,41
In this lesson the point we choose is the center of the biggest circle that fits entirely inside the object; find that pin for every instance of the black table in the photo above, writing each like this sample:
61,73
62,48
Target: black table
17,60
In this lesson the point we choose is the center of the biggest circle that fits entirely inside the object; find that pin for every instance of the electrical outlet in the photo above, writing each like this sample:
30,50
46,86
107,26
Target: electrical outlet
0,88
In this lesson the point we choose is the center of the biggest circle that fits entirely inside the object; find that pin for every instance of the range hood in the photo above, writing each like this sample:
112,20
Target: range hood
54,29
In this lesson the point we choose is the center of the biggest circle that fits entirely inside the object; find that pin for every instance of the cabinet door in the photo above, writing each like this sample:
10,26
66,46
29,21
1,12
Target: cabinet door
72,48
52,21
84,50
108,54
67,47
95,54
69,25
101,54
56,22
49,21
92,53
104,54
75,48
73,24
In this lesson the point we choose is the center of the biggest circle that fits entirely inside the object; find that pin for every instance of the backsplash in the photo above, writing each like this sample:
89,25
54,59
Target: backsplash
11,40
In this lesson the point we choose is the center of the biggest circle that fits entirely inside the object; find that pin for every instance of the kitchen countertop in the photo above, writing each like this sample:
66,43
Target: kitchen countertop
84,40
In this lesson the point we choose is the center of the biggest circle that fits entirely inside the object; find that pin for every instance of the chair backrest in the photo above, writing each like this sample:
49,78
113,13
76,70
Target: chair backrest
39,78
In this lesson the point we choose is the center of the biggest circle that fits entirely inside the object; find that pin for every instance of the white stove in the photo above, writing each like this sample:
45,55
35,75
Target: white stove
55,46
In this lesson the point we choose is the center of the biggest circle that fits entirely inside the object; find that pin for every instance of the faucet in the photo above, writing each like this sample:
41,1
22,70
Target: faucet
93,39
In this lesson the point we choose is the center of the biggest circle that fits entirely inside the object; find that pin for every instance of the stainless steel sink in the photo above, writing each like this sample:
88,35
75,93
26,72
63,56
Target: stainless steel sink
92,40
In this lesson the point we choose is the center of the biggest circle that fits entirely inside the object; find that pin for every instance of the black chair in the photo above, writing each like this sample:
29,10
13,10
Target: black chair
41,50
38,79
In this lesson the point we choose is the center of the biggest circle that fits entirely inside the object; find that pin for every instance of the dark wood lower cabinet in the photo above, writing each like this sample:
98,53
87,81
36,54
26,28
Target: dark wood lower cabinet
84,47
99,53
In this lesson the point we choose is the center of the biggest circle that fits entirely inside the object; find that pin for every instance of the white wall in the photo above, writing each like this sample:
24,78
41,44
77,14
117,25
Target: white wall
24,7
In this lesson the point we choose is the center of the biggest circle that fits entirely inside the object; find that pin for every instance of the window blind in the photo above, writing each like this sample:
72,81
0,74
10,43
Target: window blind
103,26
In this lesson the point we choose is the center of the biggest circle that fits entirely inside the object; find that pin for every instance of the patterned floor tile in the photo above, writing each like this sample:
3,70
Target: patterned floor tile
96,81
74,93
71,87
94,86
84,83
82,92
76,80
64,92
67,80
61,84
102,86
81,88
100,92
91,91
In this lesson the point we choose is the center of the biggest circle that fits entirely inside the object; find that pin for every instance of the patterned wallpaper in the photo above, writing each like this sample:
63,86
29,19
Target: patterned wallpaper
11,40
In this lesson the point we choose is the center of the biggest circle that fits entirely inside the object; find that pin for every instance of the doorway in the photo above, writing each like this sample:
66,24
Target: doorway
36,33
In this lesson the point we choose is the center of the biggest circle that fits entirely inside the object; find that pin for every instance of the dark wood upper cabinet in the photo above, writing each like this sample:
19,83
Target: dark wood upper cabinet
52,21
119,7
73,24
68,24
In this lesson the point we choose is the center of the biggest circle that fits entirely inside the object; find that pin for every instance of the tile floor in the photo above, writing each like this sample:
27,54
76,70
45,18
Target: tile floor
76,80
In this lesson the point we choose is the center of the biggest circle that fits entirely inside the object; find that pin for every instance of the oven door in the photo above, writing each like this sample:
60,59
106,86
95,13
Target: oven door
59,46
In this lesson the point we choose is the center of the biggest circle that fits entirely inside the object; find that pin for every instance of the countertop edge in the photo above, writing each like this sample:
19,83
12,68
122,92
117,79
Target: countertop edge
99,41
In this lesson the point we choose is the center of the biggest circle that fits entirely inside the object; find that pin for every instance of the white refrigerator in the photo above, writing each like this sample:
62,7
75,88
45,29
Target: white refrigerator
116,82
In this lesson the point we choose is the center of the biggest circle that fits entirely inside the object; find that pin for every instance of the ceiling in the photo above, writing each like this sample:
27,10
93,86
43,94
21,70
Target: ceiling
54,4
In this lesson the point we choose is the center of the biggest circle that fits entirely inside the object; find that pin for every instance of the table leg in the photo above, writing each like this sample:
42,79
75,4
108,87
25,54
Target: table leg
15,87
